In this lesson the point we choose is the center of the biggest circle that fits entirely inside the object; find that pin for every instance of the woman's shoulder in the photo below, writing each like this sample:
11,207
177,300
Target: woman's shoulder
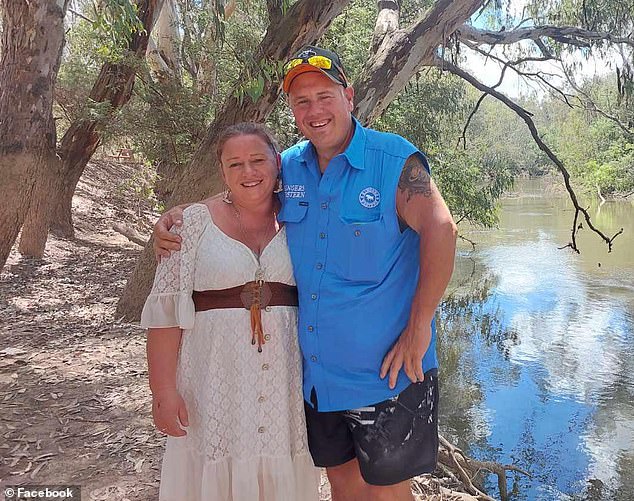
195,219
198,211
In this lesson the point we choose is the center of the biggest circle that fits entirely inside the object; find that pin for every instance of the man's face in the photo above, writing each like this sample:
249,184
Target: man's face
322,110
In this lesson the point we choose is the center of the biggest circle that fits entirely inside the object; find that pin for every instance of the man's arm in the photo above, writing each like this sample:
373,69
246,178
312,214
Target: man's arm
421,207
164,241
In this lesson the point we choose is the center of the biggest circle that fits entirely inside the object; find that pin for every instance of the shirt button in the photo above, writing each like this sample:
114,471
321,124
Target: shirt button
322,235
268,308
265,367
313,358
311,328
261,399
267,337
261,429
313,296
319,266
357,233
324,205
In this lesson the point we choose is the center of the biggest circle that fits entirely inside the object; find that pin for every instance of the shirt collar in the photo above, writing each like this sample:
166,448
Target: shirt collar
354,153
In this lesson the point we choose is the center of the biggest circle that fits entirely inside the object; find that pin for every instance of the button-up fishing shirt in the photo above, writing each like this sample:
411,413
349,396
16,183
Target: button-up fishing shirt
356,271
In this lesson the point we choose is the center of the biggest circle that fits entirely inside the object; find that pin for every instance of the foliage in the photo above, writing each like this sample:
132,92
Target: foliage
599,153
497,136
139,190
430,112
115,23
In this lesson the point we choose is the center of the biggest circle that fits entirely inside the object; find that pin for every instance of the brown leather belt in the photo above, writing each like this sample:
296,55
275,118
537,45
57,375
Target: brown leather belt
252,296
281,295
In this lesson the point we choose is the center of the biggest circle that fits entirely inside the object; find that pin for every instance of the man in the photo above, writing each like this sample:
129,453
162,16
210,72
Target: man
372,244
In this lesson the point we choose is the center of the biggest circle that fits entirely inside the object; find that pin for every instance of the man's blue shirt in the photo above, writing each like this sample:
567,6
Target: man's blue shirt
356,271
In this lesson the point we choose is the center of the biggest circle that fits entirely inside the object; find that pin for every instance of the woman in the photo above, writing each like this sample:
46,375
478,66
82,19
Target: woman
223,357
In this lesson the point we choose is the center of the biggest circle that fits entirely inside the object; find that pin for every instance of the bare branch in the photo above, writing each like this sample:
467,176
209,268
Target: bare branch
452,68
545,50
570,35
512,64
79,14
589,103
463,137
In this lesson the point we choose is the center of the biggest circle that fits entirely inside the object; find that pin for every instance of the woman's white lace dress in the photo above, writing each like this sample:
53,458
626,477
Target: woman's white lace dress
246,439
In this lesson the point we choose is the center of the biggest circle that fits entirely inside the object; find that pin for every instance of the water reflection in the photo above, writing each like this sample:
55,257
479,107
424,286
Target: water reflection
536,348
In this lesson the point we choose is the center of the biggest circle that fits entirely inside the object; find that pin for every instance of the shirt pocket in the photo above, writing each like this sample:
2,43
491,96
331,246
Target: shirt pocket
293,215
362,256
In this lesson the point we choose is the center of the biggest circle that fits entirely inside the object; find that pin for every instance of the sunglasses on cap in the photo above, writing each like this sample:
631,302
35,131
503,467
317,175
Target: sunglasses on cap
317,58
321,62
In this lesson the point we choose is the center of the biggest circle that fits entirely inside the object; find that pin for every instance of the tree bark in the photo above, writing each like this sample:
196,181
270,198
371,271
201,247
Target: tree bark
403,52
303,24
53,204
570,35
387,21
32,41
164,47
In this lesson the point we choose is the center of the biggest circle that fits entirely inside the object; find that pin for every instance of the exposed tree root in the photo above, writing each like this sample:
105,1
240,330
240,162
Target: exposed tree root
456,476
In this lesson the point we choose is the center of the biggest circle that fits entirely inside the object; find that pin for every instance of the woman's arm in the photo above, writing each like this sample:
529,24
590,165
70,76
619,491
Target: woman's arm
168,407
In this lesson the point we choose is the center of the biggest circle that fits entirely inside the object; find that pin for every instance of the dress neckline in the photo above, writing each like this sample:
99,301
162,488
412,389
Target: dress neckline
239,242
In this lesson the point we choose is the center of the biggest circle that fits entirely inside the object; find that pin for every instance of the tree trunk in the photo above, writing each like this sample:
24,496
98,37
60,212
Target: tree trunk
303,23
32,41
403,52
114,86
164,47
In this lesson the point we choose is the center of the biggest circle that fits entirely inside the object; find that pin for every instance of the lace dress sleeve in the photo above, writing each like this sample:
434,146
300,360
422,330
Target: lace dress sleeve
170,302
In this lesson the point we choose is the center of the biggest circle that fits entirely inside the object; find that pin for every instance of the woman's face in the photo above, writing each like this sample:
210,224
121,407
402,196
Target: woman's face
250,169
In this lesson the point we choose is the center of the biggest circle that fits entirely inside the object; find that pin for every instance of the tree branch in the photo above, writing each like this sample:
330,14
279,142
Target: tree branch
589,104
513,65
570,35
387,21
274,8
402,54
524,115
463,137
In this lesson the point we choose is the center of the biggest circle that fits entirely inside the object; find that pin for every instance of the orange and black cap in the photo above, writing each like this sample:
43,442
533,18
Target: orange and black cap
312,58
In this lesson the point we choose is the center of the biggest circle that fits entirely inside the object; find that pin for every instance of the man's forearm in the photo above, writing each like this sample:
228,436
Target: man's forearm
437,254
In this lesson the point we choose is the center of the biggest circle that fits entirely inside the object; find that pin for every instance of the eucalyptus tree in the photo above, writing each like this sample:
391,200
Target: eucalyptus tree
32,41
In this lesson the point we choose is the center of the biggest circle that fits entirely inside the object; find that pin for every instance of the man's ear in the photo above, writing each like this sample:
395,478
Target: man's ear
279,162
349,93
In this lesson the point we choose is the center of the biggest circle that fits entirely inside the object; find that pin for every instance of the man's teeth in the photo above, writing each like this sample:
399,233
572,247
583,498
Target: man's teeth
319,124
251,184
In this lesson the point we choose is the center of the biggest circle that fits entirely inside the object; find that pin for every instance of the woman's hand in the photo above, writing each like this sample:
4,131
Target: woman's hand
170,413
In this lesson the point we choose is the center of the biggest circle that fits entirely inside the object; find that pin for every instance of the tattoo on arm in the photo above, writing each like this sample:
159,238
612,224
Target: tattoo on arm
414,178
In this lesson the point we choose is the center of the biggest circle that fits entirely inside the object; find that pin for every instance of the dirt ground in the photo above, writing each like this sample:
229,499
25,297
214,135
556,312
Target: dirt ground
74,400
75,406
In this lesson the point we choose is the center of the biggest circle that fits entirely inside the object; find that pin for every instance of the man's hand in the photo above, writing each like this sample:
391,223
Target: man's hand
170,413
407,352
164,241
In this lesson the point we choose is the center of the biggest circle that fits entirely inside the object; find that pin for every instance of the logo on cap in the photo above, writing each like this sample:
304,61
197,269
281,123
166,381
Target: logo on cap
369,197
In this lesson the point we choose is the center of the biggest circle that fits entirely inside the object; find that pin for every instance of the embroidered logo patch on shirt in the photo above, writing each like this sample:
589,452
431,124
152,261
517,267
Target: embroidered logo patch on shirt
369,197
294,190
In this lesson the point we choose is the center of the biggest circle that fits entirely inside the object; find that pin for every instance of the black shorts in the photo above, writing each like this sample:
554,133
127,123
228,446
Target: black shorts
393,440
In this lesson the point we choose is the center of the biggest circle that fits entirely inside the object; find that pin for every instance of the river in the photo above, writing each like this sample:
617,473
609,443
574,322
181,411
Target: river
537,349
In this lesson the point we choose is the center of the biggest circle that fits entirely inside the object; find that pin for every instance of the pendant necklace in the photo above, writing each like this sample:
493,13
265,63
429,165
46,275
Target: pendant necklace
256,294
